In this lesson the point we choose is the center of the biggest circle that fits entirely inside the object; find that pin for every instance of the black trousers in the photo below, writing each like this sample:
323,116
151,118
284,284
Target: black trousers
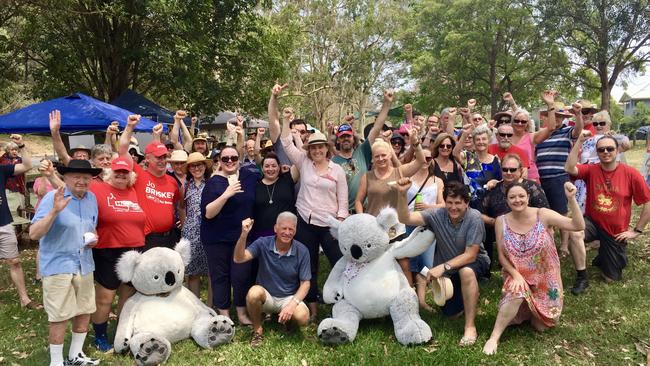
611,258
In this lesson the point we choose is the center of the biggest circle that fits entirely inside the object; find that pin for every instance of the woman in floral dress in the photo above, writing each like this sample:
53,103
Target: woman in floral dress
198,169
532,285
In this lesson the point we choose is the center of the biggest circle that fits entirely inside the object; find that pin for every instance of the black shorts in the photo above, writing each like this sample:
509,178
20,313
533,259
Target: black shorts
105,261
455,305
167,239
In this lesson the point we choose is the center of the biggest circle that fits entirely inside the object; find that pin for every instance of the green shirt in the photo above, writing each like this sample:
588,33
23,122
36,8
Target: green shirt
354,169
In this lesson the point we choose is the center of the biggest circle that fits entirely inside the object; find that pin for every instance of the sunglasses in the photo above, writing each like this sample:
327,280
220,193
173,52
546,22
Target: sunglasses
609,149
596,124
478,119
196,166
396,142
445,146
586,112
508,135
520,121
504,120
232,159
509,170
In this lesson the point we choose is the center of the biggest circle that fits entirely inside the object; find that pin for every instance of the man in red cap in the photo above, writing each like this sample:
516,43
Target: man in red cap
158,193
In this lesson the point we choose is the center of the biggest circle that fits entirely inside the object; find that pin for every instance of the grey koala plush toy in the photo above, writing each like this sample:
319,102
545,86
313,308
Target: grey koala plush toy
367,282
163,311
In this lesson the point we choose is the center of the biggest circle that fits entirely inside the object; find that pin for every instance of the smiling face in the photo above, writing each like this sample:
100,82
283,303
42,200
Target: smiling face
601,126
456,207
270,168
517,199
77,183
229,161
346,142
481,142
179,167
200,146
606,150
156,165
102,161
197,170
81,155
381,158
445,148
520,122
120,179
250,148
510,170
285,230
317,152
504,136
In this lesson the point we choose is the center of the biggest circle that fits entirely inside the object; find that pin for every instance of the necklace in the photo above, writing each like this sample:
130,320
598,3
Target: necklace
271,192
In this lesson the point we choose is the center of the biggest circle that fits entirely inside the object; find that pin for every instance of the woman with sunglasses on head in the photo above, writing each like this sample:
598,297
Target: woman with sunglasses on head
228,198
495,202
198,169
323,194
445,165
480,166
532,288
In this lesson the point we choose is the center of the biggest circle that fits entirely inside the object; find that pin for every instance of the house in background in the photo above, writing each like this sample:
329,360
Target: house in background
630,100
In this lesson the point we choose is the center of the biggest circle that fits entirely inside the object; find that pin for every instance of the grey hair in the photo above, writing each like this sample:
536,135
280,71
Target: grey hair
108,174
10,146
100,149
481,130
521,111
286,215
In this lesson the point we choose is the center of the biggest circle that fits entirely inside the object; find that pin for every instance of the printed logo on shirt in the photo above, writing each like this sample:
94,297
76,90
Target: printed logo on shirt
122,205
163,198
606,203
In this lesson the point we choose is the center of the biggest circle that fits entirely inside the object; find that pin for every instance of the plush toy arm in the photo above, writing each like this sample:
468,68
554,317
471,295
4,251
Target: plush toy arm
124,331
333,288
203,309
415,244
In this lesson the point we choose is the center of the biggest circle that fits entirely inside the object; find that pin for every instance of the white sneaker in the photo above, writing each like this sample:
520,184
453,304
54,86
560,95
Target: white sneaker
82,360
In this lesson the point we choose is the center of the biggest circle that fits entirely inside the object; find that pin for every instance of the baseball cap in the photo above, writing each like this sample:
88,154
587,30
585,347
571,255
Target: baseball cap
156,148
121,164
344,129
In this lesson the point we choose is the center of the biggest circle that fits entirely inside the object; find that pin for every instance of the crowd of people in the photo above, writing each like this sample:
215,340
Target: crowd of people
256,210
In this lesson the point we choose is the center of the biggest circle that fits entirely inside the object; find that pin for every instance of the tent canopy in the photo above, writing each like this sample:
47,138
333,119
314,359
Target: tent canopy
79,113
135,102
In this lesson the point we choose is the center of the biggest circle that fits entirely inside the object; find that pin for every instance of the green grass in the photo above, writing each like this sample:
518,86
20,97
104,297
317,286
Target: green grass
601,327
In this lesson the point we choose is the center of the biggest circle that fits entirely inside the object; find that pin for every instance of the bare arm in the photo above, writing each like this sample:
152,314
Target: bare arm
26,165
125,139
389,97
361,194
405,216
241,255
213,208
572,160
173,135
186,134
57,142
272,109
409,169
505,263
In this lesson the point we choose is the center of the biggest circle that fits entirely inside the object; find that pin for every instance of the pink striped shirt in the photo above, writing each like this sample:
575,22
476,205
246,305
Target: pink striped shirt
320,196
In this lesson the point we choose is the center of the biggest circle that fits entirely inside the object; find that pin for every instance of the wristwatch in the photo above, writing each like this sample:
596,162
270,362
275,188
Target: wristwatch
447,266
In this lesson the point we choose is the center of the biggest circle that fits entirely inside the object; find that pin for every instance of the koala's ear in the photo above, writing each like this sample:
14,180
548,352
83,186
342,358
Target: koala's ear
334,227
183,248
125,266
387,218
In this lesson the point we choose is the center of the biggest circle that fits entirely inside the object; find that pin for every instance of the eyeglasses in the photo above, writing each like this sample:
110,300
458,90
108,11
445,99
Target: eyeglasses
596,124
609,149
478,119
232,159
445,146
509,170
504,120
396,142
504,135
586,112
196,166
520,121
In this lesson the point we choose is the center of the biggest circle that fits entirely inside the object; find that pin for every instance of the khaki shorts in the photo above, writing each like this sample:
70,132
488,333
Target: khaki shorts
8,242
273,305
66,296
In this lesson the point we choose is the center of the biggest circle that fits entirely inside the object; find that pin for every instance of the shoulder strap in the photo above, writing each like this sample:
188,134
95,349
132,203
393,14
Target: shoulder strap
419,190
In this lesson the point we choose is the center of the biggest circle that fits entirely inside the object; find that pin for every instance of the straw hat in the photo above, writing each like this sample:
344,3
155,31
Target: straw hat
587,106
560,109
178,156
442,289
316,138
197,157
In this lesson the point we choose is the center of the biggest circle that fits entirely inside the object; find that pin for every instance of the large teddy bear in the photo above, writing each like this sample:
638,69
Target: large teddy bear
163,311
367,282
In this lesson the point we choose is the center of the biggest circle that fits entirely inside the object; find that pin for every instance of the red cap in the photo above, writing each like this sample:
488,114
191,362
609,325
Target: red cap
156,148
121,164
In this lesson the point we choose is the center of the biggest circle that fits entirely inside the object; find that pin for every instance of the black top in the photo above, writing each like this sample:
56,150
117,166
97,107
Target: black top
283,198
455,175
6,171
495,205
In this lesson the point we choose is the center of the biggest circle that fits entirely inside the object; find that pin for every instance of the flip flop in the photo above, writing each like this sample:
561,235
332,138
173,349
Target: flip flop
33,306
467,341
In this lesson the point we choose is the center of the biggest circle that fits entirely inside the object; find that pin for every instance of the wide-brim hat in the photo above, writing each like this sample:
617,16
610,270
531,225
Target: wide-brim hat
587,106
315,138
78,166
80,148
197,157
178,156
499,115
200,137
443,290
136,148
560,109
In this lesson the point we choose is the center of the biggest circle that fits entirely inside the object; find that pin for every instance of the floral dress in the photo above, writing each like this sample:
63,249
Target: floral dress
534,256
192,229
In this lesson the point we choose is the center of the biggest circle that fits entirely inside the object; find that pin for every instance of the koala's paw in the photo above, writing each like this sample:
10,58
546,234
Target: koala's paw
330,332
220,331
152,352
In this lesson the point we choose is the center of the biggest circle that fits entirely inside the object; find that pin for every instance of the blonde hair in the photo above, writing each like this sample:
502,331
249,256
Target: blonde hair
380,144
602,116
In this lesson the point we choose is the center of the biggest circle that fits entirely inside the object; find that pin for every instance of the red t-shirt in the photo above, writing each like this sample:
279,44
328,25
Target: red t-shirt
494,149
157,197
610,194
121,221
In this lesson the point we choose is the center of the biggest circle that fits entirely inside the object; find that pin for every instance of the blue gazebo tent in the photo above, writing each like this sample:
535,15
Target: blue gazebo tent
137,103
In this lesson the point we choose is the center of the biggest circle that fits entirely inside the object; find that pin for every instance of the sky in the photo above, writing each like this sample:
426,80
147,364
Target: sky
633,85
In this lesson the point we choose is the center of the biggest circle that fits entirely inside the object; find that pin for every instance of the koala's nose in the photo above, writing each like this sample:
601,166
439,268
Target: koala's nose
170,279
356,251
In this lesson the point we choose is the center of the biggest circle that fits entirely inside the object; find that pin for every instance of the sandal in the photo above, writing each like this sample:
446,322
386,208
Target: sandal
33,306
257,339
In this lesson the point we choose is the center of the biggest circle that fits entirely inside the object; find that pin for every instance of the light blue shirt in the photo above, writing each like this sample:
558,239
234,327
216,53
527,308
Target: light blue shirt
62,249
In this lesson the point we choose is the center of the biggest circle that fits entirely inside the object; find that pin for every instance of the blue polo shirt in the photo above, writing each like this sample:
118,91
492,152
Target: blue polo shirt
62,249
279,274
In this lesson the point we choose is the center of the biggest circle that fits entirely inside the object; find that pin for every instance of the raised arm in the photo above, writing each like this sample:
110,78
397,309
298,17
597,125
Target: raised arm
39,228
111,135
26,165
186,135
449,128
408,113
389,97
413,166
241,255
552,218
173,134
405,216
548,97
272,109
571,165
59,147
47,172
125,139
508,98
466,132
156,132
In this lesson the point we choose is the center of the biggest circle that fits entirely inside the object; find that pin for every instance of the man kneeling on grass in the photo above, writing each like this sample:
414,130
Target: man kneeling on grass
282,278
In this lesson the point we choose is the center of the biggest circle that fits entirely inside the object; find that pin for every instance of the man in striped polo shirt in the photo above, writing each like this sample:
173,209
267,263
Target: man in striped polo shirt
551,155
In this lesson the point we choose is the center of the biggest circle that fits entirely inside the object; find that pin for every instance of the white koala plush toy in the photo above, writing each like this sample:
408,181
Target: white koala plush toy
163,311
367,282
